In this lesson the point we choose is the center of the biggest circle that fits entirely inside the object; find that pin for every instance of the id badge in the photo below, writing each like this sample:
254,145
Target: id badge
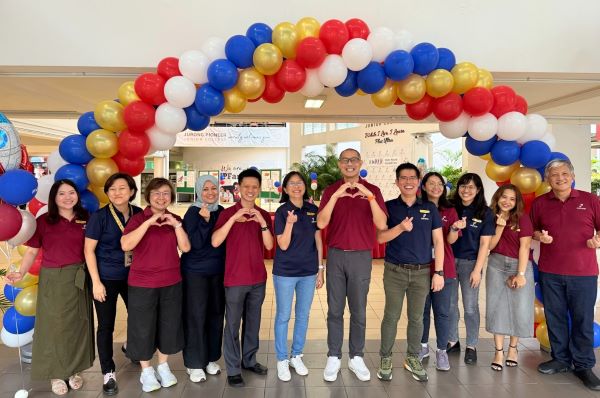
128,258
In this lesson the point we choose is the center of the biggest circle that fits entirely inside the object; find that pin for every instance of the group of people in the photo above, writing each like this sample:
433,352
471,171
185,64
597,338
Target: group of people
198,303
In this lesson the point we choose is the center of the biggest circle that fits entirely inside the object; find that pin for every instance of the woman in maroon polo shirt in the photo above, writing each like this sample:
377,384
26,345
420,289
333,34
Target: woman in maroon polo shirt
63,345
155,294
509,277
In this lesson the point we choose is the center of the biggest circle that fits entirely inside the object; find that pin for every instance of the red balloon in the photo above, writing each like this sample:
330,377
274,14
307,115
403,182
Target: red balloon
291,77
521,105
398,102
133,146
222,182
37,263
10,221
334,35
34,206
168,67
500,183
272,94
133,167
139,116
255,99
310,53
528,200
478,101
504,100
150,88
357,28
448,107
420,110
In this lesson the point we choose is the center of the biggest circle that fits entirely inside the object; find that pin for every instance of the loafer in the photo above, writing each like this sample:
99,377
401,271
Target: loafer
453,348
236,381
470,356
553,366
257,368
110,387
589,379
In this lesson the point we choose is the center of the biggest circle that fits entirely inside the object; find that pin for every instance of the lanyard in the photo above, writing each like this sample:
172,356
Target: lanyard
117,220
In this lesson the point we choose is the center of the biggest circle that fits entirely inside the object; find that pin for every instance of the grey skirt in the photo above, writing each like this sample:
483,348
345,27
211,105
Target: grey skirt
508,311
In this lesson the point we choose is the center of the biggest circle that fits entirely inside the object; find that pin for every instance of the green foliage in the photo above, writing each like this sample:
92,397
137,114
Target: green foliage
452,170
596,176
4,303
326,168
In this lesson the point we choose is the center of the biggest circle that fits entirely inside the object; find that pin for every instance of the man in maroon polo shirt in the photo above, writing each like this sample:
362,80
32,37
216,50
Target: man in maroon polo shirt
566,221
248,231
349,208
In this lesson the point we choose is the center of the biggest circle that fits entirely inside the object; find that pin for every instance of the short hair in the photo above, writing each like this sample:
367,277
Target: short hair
123,176
156,183
407,166
349,149
250,173
285,197
557,163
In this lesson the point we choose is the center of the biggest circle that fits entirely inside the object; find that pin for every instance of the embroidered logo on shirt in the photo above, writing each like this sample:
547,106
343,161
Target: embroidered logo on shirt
308,213
474,223
580,207
444,219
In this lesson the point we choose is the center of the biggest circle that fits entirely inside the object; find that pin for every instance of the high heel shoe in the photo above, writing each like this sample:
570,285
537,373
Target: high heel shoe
509,362
495,365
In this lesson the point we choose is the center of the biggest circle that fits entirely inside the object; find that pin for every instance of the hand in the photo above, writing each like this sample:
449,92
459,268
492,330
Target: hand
545,238
240,215
518,281
406,225
256,215
320,279
153,221
460,224
437,283
291,217
13,277
594,242
204,213
99,291
500,221
169,219
362,189
342,191
475,279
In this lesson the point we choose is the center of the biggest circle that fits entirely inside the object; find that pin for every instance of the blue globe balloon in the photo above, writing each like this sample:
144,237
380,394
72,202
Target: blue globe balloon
505,152
239,50
538,293
16,323
349,86
10,292
558,155
277,184
17,187
259,33
596,335
195,120
479,148
222,74
363,173
209,101
447,59
313,176
372,78
426,58
89,201
535,154
87,123
75,173
72,149
398,65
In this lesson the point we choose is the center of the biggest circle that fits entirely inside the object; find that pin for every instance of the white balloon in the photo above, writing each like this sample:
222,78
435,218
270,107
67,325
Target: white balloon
549,139
42,210
536,127
214,48
313,186
170,119
193,64
357,54
484,127
14,340
160,140
332,71
28,226
55,162
455,128
180,91
382,42
511,126
312,86
403,40
44,186
22,394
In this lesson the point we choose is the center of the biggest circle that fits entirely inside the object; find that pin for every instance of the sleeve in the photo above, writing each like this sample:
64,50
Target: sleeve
452,218
196,227
36,240
325,198
94,227
596,207
280,220
436,220
489,226
390,222
525,226
223,217
534,215
134,223
267,217
380,200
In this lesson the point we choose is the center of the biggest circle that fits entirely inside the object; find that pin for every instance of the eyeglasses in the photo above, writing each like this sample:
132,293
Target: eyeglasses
467,187
159,194
349,160
408,178
295,184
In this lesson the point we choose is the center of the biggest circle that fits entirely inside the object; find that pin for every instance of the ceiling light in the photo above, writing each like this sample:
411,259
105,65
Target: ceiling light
315,102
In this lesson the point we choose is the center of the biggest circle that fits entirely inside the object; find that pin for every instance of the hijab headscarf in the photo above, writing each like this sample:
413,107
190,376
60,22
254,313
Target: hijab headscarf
200,182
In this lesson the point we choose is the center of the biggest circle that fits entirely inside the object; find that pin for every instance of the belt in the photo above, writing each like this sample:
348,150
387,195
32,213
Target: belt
413,267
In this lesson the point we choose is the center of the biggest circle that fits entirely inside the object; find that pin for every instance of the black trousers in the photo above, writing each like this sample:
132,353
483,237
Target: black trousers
106,312
203,312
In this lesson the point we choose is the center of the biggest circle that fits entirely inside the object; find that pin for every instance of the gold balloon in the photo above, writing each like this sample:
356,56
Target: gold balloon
127,93
500,173
235,102
360,92
98,170
26,300
538,312
412,89
109,115
307,27
102,143
267,59
487,156
541,333
251,83
526,179
465,77
485,79
285,38
386,96
98,191
543,188
28,280
439,83
21,249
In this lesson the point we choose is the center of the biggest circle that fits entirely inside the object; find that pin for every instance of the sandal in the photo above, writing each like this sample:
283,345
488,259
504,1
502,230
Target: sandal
498,366
76,381
59,387
509,362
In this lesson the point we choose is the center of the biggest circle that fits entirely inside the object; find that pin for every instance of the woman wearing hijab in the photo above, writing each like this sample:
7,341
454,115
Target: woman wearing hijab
203,292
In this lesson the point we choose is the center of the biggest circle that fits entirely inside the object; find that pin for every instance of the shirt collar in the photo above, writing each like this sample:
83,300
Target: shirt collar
418,202
573,194
148,211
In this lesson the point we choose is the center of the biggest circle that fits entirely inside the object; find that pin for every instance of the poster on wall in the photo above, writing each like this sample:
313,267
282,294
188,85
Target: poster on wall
263,137
229,192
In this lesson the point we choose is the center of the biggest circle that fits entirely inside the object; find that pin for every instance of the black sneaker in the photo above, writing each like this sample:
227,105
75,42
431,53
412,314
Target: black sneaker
470,356
453,348
257,368
133,361
553,366
110,386
590,380
236,381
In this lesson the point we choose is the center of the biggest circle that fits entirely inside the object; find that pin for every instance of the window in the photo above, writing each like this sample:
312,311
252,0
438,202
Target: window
342,126
314,149
341,146
314,128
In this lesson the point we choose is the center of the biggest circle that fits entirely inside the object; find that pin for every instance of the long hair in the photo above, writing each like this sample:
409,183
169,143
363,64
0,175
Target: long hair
479,200
284,196
516,212
443,202
53,216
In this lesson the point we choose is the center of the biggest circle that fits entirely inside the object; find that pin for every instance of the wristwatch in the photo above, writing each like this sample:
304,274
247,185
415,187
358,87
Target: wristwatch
440,273
264,228
522,273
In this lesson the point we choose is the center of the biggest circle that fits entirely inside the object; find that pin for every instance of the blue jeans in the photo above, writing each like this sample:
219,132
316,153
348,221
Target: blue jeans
470,299
285,286
576,295
440,301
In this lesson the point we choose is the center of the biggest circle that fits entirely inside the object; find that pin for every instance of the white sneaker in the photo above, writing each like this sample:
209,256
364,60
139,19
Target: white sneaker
298,365
283,370
213,368
166,377
148,380
357,365
332,369
196,375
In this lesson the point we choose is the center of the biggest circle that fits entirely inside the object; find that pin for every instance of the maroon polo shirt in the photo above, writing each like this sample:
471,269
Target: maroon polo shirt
351,224
62,242
509,242
244,259
449,217
155,258
570,223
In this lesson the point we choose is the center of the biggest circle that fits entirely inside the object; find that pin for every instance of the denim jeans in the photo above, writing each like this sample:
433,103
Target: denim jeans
285,286
470,299
440,301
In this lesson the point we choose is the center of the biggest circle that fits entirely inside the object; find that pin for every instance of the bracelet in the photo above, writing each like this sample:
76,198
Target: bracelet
370,198
265,228
454,229
321,266
178,225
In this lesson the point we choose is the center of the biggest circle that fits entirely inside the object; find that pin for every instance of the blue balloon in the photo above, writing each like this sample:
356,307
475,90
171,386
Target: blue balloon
596,335
87,123
372,78
536,272
398,65
75,173
449,185
16,323
426,58
222,74
535,154
209,101
558,155
89,201
363,173
259,33
195,120
239,50
349,86
254,168
479,148
505,152
17,187
447,59
72,149
313,176
538,293
277,184
542,171
10,292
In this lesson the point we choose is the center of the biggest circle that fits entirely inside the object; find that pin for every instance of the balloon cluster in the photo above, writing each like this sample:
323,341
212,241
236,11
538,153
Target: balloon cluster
277,185
313,181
